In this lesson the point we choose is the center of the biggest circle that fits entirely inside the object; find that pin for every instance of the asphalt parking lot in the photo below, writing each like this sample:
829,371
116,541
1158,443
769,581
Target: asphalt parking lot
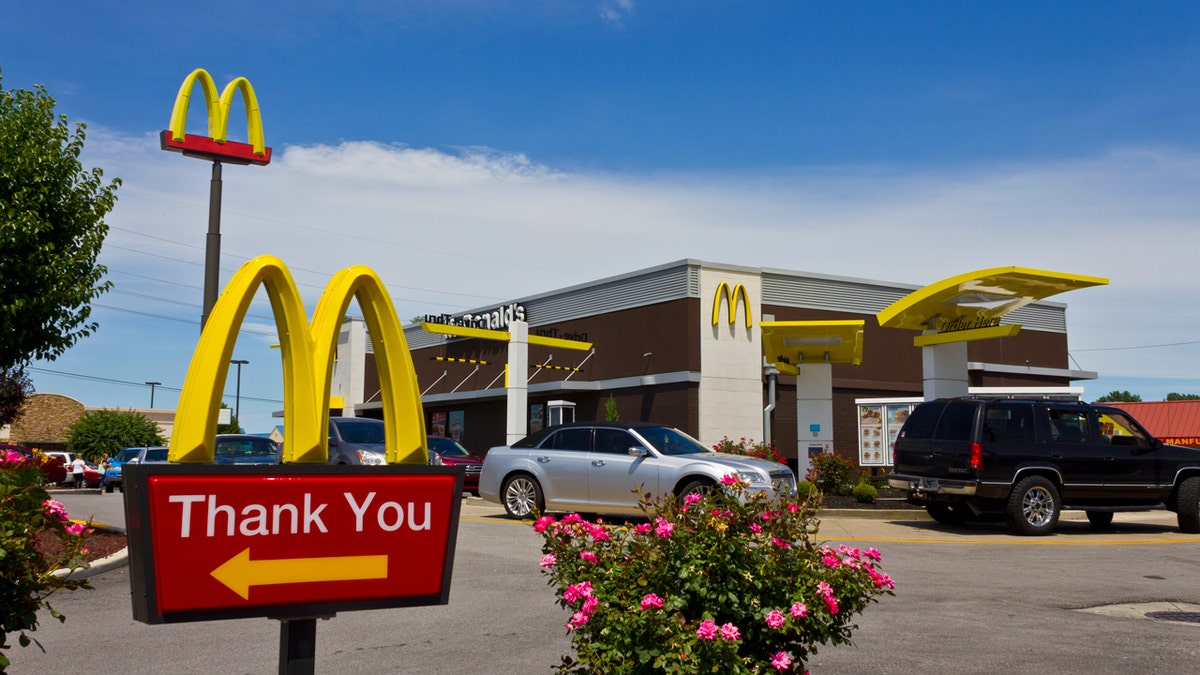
973,599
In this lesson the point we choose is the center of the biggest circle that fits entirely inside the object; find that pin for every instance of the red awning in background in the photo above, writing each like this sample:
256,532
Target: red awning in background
1175,422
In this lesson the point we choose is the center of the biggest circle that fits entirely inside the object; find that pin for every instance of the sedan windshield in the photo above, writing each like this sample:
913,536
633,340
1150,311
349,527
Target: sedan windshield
361,432
671,441
447,447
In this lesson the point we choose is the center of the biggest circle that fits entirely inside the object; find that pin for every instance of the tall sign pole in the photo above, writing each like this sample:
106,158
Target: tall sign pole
212,248
215,148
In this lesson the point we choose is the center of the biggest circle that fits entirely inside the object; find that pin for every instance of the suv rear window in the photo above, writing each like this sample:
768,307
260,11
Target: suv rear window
955,423
923,419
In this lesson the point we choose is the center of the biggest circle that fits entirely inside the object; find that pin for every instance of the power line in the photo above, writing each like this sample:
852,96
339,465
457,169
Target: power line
128,383
1117,349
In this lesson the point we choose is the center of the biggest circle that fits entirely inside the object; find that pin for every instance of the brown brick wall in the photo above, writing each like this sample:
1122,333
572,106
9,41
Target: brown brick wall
44,421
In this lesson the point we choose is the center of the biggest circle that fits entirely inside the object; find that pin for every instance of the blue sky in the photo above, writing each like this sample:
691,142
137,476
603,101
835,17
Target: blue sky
474,152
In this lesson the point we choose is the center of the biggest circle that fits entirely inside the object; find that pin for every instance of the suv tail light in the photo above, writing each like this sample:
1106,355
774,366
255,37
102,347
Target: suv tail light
976,456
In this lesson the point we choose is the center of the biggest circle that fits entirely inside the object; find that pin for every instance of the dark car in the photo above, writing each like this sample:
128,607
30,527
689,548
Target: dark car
245,449
1030,459
447,451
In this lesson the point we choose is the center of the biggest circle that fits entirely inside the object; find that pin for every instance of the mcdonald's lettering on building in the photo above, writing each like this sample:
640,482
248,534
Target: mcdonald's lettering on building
221,542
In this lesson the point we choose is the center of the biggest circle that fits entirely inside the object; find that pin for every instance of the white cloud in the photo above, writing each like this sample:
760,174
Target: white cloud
450,231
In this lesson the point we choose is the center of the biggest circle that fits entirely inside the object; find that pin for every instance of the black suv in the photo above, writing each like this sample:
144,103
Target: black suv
1029,459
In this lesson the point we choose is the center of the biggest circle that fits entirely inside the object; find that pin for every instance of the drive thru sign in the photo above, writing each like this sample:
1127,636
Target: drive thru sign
216,542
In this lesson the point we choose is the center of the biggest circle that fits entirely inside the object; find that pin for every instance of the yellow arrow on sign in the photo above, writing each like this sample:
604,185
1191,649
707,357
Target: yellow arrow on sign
239,573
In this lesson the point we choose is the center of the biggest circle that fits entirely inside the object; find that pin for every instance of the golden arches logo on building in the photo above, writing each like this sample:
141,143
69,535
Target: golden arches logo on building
216,146
731,297
308,352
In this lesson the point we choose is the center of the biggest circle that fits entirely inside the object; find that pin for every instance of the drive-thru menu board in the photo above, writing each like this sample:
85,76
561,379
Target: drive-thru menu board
879,424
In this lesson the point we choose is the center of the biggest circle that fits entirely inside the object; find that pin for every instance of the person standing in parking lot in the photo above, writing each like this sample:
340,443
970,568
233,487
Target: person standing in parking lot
77,467
102,467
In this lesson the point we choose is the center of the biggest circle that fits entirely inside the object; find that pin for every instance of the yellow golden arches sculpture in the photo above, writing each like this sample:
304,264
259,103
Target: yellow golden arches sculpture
308,351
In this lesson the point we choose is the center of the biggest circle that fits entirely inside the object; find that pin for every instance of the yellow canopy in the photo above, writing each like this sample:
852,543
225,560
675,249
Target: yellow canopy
787,344
976,300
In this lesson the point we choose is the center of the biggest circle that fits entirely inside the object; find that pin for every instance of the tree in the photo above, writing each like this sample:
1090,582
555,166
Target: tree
610,410
51,229
107,431
15,387
1119,396
1182,397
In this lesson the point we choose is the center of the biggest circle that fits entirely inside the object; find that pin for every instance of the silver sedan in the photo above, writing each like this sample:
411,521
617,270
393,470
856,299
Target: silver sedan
599,466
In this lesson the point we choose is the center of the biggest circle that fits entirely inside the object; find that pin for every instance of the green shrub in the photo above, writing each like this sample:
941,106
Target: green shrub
723,582
107,431
865,492
832,473
805,489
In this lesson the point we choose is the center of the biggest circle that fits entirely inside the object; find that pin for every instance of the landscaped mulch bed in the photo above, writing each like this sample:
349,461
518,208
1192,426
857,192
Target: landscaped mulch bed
99,544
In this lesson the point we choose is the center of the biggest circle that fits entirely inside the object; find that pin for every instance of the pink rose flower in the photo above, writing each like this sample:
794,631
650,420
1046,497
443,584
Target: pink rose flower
799,610
781,661
542,523
775,618
588,556
707,630
755,528
549,560
574,592
55,508
663,528
730,632
831,561
651,600
780,543
729,479
642,528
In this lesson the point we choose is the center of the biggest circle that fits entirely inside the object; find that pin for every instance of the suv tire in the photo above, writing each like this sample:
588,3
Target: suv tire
1101,520
1189,506
1033,507
948,514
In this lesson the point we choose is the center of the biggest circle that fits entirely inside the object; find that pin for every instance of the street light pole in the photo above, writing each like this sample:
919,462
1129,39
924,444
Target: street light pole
237,406
152,386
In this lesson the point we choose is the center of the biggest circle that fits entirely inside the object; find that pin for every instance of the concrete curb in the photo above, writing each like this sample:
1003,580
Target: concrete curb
874,514
106,564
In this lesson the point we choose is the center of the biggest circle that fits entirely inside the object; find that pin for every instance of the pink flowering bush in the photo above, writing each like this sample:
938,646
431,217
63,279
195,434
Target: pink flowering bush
726,582
27,579
750,448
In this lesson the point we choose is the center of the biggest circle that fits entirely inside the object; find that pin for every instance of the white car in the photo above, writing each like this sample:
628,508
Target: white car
598,467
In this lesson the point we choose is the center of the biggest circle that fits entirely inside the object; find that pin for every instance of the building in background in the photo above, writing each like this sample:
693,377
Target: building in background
682,344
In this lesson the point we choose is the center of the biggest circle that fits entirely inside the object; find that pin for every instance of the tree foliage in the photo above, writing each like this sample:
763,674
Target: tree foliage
1119,397
51,229
107,431
15,387
1173,396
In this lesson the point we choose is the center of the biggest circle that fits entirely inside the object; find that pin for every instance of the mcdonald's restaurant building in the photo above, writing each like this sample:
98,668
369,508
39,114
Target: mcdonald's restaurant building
682,344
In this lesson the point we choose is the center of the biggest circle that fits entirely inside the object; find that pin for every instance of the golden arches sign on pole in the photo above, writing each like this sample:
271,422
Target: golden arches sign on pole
217,146
308,352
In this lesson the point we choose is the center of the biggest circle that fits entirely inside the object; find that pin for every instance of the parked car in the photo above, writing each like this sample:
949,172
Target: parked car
53,471
356,440
112,476
91,475
448,452
599,466
245,449
1030,459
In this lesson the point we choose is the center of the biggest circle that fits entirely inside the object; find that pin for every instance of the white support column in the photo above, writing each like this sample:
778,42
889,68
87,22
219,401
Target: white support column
944,370
518,372
814,413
